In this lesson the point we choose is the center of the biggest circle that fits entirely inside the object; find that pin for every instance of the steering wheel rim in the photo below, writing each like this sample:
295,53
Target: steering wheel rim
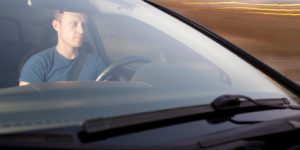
118,64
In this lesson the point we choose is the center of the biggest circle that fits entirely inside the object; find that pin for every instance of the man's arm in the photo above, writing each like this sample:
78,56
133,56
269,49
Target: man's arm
32,71
22,83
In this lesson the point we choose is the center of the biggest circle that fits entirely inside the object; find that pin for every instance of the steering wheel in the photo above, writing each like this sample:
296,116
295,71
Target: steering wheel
118,64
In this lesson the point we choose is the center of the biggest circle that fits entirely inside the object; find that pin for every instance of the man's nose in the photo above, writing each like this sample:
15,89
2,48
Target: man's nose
80,28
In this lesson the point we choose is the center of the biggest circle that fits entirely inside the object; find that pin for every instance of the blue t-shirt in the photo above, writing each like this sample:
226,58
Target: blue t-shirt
49,66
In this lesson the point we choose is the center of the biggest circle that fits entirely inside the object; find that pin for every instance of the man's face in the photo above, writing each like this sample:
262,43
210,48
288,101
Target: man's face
70,27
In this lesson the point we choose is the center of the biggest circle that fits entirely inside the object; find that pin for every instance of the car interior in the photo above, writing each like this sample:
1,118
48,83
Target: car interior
24,31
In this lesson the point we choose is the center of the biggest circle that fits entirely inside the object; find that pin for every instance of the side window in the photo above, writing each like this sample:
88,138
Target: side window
20,29
12,49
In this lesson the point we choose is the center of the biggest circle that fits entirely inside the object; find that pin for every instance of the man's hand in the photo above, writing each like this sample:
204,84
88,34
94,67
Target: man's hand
21,83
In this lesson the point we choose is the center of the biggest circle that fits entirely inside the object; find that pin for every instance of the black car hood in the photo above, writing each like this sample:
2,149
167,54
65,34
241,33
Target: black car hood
48,105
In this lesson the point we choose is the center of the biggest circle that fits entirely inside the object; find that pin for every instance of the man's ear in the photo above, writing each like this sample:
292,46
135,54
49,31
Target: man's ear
56,25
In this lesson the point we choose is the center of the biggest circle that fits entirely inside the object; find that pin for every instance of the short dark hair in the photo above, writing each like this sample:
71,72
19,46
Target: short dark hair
57,14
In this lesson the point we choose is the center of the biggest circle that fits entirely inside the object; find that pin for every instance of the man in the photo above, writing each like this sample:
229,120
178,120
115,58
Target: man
58,63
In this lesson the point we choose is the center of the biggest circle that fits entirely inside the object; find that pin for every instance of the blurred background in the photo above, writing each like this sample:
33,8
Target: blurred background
267,29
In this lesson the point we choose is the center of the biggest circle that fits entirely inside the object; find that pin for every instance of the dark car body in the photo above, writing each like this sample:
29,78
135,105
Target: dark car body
163,88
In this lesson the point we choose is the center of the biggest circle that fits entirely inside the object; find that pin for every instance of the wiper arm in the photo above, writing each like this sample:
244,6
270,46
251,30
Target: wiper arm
233,101
228,103
102,128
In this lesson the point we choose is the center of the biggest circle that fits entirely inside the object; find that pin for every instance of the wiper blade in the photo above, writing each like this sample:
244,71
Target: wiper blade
228,103
101,128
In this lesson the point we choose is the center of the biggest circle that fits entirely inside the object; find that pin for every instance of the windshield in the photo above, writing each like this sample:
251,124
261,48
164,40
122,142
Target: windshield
131,28
171,65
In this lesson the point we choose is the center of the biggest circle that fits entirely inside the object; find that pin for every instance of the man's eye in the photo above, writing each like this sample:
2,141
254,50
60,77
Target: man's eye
73,24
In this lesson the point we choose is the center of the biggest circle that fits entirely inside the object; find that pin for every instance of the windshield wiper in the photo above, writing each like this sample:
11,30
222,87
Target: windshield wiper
227,105
234,101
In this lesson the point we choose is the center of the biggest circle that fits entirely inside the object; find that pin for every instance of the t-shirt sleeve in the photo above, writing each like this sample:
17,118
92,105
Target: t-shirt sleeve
32,70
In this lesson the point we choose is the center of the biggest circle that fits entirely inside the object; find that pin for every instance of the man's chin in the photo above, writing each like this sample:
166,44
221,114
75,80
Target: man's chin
77,45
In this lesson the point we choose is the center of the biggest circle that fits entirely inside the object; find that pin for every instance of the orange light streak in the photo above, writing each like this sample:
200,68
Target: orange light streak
239,3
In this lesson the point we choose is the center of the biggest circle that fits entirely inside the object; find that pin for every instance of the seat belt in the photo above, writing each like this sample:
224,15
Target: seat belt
77,67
